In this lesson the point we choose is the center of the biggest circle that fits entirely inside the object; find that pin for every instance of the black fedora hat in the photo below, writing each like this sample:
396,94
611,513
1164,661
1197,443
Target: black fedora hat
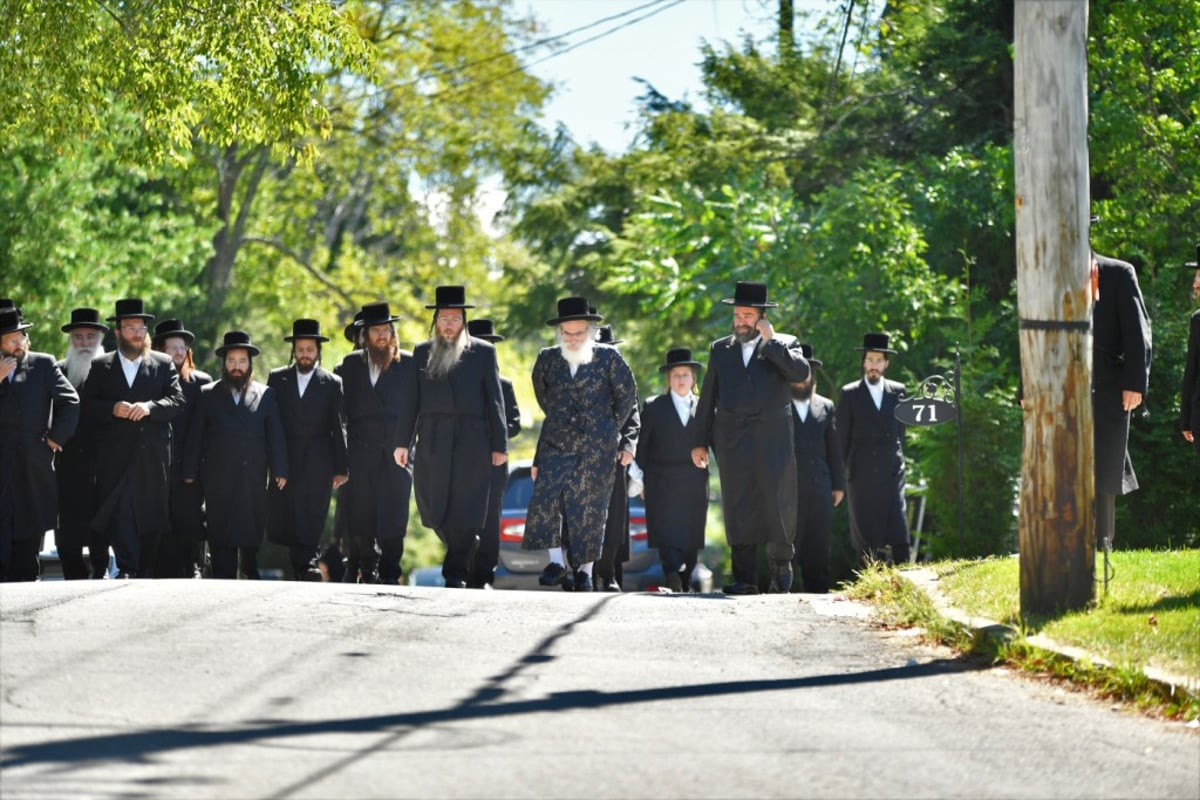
750,293
572,308
376,314
171,327
10,321
352,330
807,351
306,329
876,343
606,336
8,302
484,329
236,340
679,357
450,297
1194,264
84,318
130,307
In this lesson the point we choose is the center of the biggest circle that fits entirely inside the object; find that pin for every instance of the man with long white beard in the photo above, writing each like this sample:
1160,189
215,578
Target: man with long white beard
131,395
586,391
454,418
872,442
310,401
75,466
376,381
181,552
236,435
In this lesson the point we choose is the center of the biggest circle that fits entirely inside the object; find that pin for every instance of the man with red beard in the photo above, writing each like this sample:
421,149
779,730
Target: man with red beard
872,442
39,410
130,396
236,432
455,415
75,466
376,381
181,552
310,402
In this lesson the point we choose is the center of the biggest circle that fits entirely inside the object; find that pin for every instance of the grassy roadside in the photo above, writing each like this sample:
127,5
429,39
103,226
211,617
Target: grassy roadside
1150,617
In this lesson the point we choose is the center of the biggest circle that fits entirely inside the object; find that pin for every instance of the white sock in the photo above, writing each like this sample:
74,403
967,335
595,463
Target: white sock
586,569
556,555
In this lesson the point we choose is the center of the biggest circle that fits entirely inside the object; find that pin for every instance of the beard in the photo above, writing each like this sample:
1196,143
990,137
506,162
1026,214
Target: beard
803,392
744,333
305,366
236,383
444,356
133,351
380,355
79,362
576,358
874,378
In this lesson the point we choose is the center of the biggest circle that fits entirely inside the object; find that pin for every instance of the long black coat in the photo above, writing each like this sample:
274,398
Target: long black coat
820,469
1189,400
872,443
133,457
745,417
577,449
316,447
1121,354
187,499
676,490
457,422
75,471
39,403
378,491
229,448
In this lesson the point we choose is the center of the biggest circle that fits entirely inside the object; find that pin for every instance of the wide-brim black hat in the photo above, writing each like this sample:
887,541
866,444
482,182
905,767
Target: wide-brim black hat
11,322
679,357
306,329
750,293
172,327
450,297
606,336
236,340
376,314
352,330
573,308
807,351
130,307
85,318
876,343
484,329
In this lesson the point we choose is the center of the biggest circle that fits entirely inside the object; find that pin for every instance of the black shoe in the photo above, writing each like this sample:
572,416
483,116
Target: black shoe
739,588
554,575
674,582
455,583
781,577
610,586
583,582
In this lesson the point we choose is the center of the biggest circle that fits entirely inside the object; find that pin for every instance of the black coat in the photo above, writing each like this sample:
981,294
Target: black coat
187,499
872,444
676,490
378,491
39,403
512,413
229,448
745,417
316,447
75,471
1121,354
133,457
1189,399
456,423
819,465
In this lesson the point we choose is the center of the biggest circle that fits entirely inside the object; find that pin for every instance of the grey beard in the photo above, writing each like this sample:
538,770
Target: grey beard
576,358
745,338
79,363
444,356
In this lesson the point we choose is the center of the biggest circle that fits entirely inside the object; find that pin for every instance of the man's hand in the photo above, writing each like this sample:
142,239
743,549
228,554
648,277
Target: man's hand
1130,400
8,365
1188,435
401,456
281,482
838,494
700,457
139,411
499,459
625,457
53,445
533,473
339,480
765,329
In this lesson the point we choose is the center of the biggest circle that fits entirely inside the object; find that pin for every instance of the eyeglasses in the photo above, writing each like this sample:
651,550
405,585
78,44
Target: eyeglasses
574,334
138,329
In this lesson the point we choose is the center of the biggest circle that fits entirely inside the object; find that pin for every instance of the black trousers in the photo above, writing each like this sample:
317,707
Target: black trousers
745,563
461,544
1106,519
814,531
391,551
225,562
487,555
676,559
616,531
301,559
135,549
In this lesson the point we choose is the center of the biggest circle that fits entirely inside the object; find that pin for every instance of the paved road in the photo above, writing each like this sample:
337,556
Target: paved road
191,689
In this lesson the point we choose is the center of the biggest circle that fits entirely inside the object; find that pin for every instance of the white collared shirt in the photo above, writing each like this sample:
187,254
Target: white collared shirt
237,397
302,380
683,407
748,350
374,372
876,391
130,368
801,407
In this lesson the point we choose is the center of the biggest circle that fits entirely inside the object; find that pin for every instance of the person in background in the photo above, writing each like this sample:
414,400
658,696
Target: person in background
1189,400
607,573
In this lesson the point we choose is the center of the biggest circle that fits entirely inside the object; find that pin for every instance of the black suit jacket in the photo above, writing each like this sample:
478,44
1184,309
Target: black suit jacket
819,466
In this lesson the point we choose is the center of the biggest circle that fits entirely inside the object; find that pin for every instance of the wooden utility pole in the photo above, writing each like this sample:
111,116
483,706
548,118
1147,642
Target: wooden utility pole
1054,303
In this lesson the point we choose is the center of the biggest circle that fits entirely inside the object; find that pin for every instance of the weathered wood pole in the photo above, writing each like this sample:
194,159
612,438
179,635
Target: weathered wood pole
1054,304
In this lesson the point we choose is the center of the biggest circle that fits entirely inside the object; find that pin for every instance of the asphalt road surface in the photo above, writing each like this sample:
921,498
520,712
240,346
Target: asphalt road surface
193,689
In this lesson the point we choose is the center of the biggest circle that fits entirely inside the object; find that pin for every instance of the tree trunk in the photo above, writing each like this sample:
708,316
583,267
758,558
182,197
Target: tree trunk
1054,302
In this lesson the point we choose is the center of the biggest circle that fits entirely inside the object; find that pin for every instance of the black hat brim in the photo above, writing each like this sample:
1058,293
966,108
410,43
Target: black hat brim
669,367
70,326
316,338
574,317
21,326
249,348
368,323
870,350
451,305
733,301
146,317
187,336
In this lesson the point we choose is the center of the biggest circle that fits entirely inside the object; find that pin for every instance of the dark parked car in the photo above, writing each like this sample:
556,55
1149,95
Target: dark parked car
519,569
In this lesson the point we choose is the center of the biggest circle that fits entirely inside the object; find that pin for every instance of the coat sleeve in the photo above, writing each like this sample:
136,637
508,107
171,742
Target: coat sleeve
645,441
494,401
833,452
512,413
844,418
1191,374
410,400
170,404
625,398
1136,343
66,406
630,431
788,360
193,449
276,440
337,426
706,410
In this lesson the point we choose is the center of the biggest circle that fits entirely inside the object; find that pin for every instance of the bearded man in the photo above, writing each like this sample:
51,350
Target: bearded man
744,415
454,417
39,411
872,444
376,381
181,552
236,434
820,477
586,391
75,466
131,396
310,401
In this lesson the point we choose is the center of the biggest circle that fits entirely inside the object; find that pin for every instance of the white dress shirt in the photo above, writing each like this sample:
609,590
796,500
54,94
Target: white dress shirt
683,407
748,350
802,408
302,380
130,368
876,390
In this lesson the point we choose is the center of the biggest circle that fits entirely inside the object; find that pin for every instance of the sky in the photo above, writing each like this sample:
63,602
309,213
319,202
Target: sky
596,98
